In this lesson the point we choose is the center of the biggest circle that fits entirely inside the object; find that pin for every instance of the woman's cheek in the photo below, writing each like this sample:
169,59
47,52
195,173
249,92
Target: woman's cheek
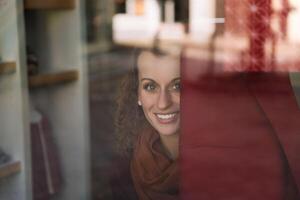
147,100
176,98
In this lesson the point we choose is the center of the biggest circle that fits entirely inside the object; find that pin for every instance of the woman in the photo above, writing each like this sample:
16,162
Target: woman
148,126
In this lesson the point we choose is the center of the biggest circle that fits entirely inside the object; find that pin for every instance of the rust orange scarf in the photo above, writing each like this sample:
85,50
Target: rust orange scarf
154,175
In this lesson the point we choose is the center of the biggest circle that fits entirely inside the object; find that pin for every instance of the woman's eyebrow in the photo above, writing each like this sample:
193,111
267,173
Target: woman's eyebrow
147,79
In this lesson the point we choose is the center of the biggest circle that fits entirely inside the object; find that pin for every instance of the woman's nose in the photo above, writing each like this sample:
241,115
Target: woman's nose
164,100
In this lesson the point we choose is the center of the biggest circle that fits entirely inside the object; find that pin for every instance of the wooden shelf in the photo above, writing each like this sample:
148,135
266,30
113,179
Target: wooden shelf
9,169
7,67
48,4
42,80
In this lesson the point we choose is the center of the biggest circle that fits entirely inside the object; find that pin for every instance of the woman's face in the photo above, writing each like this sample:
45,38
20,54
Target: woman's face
159,91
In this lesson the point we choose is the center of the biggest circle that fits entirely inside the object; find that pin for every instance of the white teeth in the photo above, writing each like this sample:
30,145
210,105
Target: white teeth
168,116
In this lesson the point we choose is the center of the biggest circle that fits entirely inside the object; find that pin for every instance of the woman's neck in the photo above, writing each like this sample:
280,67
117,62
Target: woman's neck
171,145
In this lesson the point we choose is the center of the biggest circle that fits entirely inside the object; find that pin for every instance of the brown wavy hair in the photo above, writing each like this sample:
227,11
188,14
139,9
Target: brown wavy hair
130,119
129,115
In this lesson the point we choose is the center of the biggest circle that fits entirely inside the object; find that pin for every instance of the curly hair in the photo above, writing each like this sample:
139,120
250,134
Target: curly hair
128,115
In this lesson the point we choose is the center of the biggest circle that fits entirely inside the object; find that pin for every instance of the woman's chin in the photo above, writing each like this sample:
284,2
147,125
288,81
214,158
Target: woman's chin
168,131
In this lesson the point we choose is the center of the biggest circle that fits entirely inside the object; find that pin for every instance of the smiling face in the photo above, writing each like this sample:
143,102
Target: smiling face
159,91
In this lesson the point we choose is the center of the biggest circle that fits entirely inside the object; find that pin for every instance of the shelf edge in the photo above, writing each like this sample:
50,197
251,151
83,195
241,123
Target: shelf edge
10,168
7,67
49,5
43,80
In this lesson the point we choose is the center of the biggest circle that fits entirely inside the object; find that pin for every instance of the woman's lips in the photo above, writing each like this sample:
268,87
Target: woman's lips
167,118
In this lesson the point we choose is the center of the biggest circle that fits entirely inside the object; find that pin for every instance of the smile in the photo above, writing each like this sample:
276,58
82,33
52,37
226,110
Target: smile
167,118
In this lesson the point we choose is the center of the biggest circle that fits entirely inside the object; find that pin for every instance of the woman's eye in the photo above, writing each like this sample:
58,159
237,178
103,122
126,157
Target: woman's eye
176,86
149,87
